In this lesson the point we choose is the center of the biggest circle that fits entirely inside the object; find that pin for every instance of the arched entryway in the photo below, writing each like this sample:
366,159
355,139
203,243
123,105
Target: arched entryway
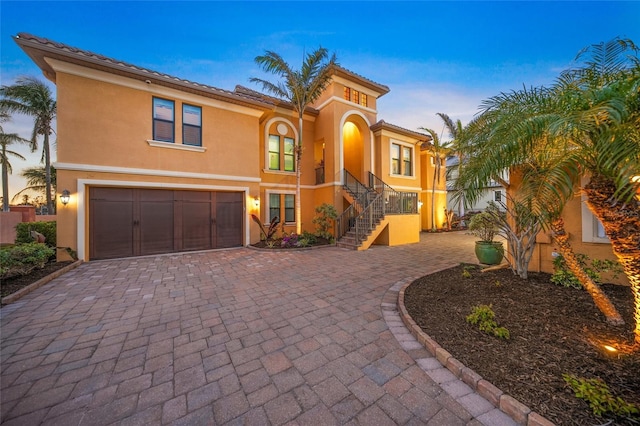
355,140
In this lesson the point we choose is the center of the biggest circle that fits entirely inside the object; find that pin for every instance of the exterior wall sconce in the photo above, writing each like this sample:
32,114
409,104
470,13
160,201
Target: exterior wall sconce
256,202
65,197
419,204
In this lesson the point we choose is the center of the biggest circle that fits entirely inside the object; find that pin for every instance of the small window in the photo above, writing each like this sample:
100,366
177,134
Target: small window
289,208
406,161
274,152
497,196
289,162
395,159
163,120
274,207
347,93
363,99
355,96
600,232
191,125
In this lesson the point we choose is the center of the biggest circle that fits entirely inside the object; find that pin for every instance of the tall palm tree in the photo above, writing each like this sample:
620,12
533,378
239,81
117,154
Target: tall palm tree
32,97
7,139
301,88
37,180
586,124
439,150
456,133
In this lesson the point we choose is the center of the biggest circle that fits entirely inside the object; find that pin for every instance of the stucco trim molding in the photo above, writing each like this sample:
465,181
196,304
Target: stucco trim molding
83,184
170,145
151,172
346,102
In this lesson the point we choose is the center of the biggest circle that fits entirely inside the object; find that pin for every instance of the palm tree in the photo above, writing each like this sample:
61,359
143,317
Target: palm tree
301,88
587,123
7,139
37,180
456,133
32,97
439,150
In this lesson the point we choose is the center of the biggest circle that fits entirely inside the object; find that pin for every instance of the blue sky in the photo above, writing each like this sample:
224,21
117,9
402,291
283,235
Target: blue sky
434,56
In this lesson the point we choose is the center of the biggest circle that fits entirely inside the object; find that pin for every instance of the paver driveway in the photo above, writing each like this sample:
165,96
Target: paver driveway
227,337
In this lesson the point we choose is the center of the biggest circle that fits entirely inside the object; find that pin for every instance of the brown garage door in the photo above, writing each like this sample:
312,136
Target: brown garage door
134,222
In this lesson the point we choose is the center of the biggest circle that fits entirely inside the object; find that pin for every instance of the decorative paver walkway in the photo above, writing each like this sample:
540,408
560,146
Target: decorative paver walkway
233,337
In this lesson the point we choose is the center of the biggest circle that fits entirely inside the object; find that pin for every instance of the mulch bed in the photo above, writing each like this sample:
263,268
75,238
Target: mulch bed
554,330
277,244
11,285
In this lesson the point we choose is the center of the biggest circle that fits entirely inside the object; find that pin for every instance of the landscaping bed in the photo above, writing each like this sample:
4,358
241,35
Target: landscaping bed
553,330
11,285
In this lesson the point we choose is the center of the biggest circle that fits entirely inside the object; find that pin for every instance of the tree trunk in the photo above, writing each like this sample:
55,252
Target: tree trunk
5,187
621,222
461,201
298,174
601,300
47,171
433,195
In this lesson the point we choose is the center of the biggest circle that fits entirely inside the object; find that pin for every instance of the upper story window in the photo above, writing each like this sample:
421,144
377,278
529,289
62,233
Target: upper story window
191,125
497,196
401,160
163,120
355,96
281,155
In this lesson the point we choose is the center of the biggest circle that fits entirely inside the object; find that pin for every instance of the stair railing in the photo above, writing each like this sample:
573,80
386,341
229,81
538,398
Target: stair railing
397,202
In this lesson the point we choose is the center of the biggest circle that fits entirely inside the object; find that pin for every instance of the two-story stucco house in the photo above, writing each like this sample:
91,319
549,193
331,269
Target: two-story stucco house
158,164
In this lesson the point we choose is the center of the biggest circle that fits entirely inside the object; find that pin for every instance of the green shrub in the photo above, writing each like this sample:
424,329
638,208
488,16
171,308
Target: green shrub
23,258
325,215
48,229
593,268
597,394
484,317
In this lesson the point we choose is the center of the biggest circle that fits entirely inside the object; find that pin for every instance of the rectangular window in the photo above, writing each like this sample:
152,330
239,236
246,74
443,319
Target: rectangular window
395,159
406,161
191,125
363,99
355,96
347,93
163,120
274,152
289,162
289,208
274,207
600,233
497,196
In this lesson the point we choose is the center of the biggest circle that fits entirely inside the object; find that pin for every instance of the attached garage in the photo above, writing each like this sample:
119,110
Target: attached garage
126,222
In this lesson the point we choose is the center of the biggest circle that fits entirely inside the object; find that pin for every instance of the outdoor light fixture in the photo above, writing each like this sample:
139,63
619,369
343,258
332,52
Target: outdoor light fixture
64,198
256,202
610,348
419,204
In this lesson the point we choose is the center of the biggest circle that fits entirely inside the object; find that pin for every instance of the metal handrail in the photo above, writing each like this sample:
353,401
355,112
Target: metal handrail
397,202
358,191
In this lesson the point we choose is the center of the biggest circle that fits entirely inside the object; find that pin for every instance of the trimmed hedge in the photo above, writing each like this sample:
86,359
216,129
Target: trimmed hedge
24,258
48,229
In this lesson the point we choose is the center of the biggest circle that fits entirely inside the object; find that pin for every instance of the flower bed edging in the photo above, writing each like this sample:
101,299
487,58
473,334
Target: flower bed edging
42,281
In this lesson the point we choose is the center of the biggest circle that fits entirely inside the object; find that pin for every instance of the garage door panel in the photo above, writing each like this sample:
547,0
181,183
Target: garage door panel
196,225
229,215
156,227
112,229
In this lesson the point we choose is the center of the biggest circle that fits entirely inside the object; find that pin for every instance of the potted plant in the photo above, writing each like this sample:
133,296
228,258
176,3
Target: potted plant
484,226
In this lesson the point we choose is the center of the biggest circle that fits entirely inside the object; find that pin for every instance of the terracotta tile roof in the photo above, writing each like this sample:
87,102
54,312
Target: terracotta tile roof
271,100
343,72
380,125
38,47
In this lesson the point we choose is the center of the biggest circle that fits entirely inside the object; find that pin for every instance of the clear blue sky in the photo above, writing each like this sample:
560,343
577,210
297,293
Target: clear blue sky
434,56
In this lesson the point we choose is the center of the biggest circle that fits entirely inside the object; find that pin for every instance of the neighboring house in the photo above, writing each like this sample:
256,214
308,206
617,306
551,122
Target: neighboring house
493,192
158,164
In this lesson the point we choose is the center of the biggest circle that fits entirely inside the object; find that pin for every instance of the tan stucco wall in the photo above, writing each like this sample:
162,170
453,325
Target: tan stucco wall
402,229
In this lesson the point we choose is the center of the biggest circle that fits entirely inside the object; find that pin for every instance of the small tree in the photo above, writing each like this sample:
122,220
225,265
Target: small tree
325,215
300,87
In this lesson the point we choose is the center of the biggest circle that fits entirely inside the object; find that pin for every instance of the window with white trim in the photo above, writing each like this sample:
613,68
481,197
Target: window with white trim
283,207
401,160
497,196
281,153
